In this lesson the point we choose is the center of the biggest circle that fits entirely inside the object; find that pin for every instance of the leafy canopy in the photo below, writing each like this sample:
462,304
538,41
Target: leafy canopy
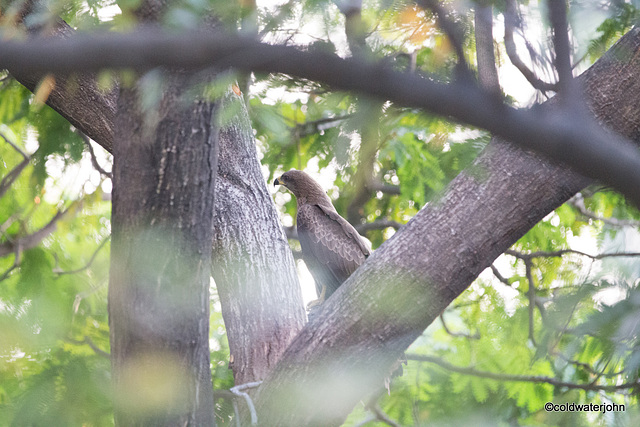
551,328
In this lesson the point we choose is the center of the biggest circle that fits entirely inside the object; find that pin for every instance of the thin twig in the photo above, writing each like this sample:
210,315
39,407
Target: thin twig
15,147
531,294
94,159
238,391
380,224
578,202
559,253
88,341
16,264
521,378
475,336
314,126
510,47
376,411
88,264
380,415
383,187
366,420
500,277
454,33
10,178
582,365
32,240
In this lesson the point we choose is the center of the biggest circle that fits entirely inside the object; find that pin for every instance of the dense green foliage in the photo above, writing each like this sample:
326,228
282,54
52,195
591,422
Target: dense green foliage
554,327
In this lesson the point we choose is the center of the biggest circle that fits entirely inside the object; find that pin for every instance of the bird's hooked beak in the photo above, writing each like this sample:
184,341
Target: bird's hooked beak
277,182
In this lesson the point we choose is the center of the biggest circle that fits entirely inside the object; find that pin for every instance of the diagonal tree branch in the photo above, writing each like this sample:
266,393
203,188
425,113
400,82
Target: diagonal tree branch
406,283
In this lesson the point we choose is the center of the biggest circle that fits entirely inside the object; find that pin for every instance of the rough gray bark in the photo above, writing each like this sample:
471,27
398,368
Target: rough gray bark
77,98
350,336
252,264
164,172
386,304
260,295
163,188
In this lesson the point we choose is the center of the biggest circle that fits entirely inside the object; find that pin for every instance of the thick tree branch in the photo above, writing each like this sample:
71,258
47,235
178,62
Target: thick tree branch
406,283
254,270
586,147
78,98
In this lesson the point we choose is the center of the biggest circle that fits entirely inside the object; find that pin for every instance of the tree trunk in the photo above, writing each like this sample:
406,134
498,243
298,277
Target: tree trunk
164,169
260,294
253,266
376,314
387,303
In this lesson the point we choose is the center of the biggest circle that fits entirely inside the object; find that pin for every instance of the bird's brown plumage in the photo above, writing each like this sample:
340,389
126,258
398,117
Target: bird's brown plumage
331,247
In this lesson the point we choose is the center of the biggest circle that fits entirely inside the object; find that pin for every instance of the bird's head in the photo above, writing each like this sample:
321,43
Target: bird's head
302,186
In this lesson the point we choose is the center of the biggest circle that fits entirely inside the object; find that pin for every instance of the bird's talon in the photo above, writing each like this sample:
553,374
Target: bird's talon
318,302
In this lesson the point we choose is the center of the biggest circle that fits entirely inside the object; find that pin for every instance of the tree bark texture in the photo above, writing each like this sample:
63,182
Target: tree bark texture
483,212
388,302
253,266
260,294
77,98
485,57
163,200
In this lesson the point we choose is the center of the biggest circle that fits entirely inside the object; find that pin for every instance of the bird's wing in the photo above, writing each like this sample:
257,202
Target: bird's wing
331,247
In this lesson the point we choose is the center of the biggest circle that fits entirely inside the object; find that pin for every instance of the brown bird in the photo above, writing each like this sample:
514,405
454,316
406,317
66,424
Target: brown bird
331,247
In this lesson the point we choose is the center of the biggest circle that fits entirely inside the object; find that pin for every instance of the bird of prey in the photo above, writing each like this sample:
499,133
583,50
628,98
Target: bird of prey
331,247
